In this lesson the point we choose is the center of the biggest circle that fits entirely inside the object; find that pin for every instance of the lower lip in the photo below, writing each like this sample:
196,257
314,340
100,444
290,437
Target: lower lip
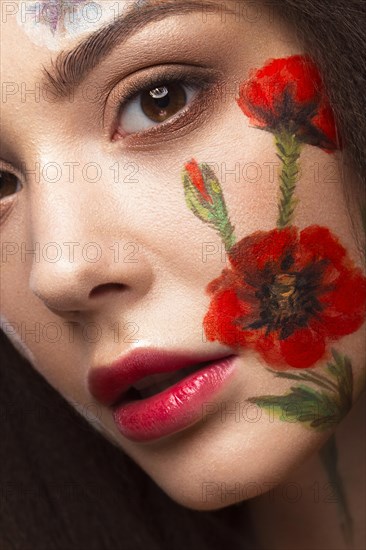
176,408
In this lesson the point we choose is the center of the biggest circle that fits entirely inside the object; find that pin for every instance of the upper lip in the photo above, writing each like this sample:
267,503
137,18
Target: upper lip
108,383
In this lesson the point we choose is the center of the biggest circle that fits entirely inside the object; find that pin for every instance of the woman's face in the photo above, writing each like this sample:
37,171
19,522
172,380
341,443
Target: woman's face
111,234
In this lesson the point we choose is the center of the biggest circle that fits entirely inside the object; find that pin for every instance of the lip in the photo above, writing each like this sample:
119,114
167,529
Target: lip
169,411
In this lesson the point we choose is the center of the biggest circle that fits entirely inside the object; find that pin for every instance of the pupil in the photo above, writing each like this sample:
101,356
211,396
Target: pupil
161,96
163,102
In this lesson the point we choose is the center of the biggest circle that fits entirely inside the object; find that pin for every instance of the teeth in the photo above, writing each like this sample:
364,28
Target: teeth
159,382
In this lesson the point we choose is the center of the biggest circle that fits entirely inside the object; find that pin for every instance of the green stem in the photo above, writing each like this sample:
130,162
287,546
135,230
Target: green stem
288,151
329,457
228,238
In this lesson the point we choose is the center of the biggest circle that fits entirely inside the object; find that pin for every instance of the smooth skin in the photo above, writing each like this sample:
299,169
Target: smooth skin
81,182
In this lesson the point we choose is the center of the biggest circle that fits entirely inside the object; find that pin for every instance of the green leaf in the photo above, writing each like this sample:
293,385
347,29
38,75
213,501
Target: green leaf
319,406
309,376
213,213
194,203
222,220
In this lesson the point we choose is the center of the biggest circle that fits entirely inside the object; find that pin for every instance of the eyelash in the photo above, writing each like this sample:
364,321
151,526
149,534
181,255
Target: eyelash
199,80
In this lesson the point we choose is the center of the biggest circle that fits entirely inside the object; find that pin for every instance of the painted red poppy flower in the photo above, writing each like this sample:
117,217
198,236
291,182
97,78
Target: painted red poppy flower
287,295
287,95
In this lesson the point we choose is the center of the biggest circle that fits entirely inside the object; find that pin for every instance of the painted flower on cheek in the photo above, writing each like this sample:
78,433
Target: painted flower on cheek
205,198
286,96
287,294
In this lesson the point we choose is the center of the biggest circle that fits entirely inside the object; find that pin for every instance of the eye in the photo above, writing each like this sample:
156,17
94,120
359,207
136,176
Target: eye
161,103
153,106
9,184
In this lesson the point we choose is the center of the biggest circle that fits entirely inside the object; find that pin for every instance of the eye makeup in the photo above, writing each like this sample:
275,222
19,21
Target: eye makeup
199,83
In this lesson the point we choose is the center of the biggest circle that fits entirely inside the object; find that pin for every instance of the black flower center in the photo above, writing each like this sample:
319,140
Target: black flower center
288,300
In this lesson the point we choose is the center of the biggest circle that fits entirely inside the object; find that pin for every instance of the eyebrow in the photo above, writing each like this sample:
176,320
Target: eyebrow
71,67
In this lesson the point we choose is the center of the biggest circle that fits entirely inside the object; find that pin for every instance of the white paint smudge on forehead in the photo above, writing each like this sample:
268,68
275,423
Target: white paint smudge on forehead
52,23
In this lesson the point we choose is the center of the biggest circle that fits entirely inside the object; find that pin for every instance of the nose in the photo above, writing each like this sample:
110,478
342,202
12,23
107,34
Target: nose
80,283
85,255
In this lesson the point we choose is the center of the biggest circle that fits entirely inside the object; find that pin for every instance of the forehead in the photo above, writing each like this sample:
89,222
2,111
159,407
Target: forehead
35,33
56,24
84,37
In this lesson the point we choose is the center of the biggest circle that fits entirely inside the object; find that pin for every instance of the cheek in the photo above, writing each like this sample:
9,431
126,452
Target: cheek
11,330
247,170
219,195
44,339
15,299
290,294
234,455
45,342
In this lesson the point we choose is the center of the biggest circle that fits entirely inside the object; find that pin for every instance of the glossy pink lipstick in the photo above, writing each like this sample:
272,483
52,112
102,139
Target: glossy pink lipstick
183,384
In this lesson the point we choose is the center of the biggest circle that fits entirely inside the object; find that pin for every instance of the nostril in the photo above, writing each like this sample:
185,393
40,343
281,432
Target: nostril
105,288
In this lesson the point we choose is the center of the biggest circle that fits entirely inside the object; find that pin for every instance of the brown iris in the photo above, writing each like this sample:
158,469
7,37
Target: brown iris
162,102
8,184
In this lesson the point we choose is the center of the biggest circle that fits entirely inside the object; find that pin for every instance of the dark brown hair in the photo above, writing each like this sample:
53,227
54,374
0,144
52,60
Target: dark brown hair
62,485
